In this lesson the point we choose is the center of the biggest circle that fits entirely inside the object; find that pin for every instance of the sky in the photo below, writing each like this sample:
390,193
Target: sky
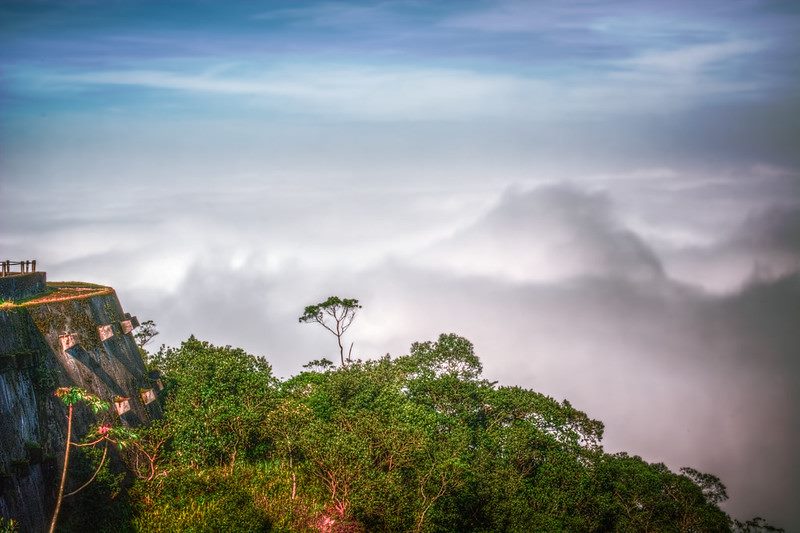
603,196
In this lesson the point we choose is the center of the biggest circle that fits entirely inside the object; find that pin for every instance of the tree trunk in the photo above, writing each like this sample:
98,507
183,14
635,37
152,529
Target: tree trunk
63,471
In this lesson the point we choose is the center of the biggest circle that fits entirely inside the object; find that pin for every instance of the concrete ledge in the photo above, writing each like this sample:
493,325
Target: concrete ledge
105,332
148,396
68,340
122,405
129,325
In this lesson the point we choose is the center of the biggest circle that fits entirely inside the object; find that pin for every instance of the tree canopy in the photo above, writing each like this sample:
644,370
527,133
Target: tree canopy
419,442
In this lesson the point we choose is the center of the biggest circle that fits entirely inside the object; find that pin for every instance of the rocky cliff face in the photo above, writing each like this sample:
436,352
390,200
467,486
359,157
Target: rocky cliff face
77,335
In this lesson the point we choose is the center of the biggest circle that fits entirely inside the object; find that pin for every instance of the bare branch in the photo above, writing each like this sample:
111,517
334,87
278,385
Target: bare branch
102,461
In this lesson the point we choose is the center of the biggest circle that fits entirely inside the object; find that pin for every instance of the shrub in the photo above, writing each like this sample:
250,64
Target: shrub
192,500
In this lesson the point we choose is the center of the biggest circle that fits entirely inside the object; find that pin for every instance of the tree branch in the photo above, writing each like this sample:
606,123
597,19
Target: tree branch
102,461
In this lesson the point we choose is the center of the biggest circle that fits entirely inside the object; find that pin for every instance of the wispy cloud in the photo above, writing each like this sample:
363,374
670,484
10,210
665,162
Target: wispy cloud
692,58
665,80
350,90
159,79
332,14
519,16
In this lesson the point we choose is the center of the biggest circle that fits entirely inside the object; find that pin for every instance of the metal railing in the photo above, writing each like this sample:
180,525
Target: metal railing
24,267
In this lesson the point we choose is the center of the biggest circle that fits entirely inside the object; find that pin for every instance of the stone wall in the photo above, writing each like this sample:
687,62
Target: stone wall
34,361
22,286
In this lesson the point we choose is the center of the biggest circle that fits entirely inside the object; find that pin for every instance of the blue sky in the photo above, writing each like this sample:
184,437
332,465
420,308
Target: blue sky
582,59
604,196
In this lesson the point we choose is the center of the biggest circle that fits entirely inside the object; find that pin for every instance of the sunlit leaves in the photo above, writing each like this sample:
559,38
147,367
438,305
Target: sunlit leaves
74,395
420,442
217,398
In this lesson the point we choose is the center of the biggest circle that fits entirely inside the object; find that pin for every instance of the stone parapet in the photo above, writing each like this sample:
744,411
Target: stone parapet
17,287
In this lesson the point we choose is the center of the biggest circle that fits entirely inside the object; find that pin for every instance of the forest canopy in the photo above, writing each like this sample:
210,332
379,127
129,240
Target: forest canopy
419,442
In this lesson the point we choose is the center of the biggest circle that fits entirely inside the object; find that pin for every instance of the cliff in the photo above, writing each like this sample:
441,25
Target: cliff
69,334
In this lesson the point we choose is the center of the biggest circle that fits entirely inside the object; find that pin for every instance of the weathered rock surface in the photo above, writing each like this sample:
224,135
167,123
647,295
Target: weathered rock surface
73,337
21,286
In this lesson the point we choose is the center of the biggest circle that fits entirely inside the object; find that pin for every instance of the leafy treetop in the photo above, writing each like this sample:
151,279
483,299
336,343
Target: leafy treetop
334,314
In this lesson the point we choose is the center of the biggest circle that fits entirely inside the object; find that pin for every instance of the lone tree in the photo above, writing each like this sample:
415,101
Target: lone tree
145,333
334,314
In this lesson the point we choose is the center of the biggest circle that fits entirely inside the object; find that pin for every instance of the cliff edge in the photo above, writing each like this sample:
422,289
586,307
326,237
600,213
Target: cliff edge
54,335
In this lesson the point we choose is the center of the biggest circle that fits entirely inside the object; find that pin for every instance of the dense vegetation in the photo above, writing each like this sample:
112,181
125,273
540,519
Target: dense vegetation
419,442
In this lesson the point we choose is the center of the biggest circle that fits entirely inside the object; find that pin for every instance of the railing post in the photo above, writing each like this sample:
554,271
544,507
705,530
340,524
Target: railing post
27,266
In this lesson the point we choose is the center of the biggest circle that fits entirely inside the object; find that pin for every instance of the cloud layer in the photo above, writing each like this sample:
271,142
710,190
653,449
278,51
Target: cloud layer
558,293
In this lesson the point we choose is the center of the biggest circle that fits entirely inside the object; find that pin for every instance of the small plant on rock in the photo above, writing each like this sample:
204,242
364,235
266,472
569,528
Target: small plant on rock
103,434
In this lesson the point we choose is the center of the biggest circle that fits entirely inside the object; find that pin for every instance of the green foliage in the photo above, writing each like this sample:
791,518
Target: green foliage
44,378
145,333
322,364
425,436
755,525
74,395
334,304
74,284
33,450
8,525
121,436
451,355
336,315
417,443
216,399
88,510
209,500
649,497
102,505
